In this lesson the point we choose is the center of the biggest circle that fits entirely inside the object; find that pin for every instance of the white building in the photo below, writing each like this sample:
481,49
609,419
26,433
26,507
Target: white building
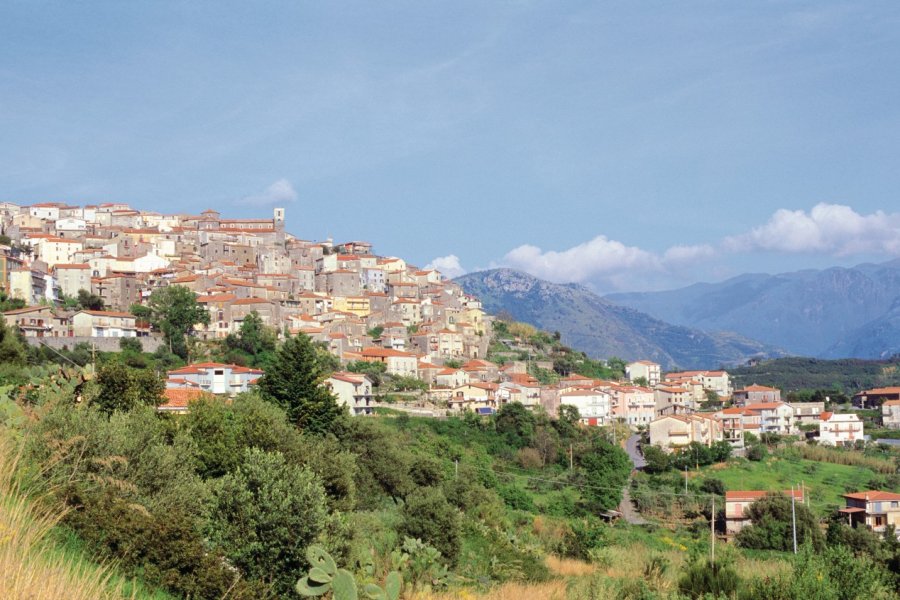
775,417
840,429
353,391
593,405
650,371
103,323
215,378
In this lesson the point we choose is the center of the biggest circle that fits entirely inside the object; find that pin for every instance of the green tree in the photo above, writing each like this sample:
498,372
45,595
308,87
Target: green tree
141,312
12,352
131,344
122,388
9,303
657,460
772,525
254,337
174,311
294,382
264,516
516,424
375,370
89,301
429,517
604,471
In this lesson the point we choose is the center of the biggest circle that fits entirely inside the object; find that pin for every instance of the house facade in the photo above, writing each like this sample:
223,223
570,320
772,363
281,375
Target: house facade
214,378
873,509
840,429
352,390
738,501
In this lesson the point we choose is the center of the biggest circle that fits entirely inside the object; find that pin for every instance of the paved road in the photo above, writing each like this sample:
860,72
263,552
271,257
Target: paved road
631,447
629,512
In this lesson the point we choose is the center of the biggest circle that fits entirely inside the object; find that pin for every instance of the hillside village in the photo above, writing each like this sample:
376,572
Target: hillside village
411,323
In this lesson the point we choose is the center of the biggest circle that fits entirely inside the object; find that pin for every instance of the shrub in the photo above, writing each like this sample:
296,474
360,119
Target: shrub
757,452
702,577
529,458
429,517
265,514
772,527
657,459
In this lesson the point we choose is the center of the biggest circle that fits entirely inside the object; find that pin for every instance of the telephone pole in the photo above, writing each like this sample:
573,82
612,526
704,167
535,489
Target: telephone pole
794,518
712,528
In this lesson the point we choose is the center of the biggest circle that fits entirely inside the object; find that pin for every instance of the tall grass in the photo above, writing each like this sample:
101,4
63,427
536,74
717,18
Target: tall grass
29,567
836,456
551,590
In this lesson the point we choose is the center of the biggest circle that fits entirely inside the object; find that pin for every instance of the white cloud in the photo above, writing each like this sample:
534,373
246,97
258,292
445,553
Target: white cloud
828,228
687,255
600,256
448,265
280,192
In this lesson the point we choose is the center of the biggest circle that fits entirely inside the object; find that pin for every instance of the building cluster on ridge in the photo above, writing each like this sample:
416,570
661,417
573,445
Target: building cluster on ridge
369,308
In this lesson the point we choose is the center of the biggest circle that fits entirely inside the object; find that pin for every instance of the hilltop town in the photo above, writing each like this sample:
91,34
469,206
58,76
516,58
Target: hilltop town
396,340
409,322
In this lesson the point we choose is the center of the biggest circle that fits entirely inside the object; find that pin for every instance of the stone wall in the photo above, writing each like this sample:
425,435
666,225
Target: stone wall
103,344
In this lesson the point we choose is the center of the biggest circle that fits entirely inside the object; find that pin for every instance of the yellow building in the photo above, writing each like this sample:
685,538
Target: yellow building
358,305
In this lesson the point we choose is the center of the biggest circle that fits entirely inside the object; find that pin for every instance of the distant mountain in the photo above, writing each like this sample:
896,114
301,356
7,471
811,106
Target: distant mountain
834,313
603,329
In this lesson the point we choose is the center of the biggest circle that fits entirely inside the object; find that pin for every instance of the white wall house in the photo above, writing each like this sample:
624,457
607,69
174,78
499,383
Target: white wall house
353,391
650,371
215,378
840,429
593,405
103,323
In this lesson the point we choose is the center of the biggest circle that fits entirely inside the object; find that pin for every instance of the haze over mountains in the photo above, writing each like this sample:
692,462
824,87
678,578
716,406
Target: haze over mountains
603,329
830,313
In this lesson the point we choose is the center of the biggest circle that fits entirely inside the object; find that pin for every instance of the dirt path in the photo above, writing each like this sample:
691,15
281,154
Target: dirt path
626,507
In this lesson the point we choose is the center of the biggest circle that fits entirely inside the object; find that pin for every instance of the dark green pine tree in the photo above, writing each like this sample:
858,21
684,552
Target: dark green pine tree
294,382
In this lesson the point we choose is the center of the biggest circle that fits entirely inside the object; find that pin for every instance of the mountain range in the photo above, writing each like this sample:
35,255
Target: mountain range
831,313
602,328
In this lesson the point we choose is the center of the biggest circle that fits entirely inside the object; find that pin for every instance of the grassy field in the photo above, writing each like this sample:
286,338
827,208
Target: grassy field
825,482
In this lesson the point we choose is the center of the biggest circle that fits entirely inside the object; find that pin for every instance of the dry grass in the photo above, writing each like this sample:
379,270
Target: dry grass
569,567
29,568
837,456
551,590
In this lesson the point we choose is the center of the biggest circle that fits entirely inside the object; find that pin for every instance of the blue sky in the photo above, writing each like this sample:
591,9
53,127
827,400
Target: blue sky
623,145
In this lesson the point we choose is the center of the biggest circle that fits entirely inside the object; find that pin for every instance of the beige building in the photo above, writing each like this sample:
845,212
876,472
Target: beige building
890,414
738,501
72,278
102,323
873,509
353,391
649,371
673,432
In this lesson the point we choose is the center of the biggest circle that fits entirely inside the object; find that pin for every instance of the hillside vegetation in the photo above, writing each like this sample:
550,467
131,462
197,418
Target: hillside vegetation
795,373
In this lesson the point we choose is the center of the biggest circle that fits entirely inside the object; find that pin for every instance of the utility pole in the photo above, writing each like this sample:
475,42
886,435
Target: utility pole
570,457
712,528
456,469
685,480
794,518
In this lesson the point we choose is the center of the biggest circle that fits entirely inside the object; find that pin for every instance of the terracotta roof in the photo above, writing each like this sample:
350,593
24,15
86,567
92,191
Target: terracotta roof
107,313
751,495
758,388
873,495
71,266
180,397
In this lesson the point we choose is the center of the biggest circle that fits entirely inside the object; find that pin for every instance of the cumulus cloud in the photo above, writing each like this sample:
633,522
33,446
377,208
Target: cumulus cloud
827,228
448,265
600,256
280,192
687,255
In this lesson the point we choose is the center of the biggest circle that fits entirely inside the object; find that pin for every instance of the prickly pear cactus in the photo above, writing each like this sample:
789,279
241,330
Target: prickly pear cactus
324,577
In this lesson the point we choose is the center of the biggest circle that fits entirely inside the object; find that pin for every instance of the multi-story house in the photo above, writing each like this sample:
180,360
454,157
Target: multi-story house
215,378
775,417
890,414
672,400
353,391
737,421
807,413
478,397
840,429
33,321
738,501
873,509
396,362
103,323
643,369
117,290
593,405
756,394
72,278
634,405
672,432
871,398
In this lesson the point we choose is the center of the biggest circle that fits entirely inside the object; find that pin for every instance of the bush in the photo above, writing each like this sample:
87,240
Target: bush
657,459
757,452
772,527
265,514
429,517
529,458
713,486
702,577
